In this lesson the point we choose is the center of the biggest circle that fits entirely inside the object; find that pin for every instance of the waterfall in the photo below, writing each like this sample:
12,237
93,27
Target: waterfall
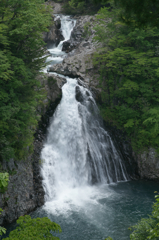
67,26
56,53
78,151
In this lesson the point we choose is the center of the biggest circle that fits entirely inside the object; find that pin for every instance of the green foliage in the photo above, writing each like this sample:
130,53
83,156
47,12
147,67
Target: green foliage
87,31
4,179
81,7
74,7
141,13
21,25
129,70
147,228
34,229
2,230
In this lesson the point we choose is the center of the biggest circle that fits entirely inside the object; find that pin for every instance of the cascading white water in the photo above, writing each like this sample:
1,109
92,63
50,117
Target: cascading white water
67,25
78,151
57,55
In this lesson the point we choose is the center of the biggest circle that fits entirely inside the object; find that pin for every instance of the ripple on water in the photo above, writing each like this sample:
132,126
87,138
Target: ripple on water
94,213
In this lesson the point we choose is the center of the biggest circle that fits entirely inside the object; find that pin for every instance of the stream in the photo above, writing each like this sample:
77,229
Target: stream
88,191
87,188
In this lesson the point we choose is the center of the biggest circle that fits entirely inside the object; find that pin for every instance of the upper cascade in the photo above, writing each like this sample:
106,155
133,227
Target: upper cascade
56,53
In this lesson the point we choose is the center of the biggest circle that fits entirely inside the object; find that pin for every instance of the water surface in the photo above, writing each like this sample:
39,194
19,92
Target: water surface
97,212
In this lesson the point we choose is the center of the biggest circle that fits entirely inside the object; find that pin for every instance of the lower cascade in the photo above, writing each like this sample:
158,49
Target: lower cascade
78,151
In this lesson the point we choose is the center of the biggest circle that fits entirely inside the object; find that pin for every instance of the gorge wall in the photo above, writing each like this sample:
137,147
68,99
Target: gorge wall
25,192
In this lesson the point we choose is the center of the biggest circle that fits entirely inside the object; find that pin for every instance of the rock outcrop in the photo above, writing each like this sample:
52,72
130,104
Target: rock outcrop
20,196
80,48
25,192
54,35
148,164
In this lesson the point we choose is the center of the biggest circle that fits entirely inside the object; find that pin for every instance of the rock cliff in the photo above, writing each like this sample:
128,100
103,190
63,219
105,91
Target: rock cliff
25,191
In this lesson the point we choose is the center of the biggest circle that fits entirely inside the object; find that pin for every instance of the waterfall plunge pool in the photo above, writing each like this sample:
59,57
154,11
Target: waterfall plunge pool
99,211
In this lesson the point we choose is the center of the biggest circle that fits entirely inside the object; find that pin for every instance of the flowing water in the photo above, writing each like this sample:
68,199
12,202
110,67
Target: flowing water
93,213
87,188
86,183
56,53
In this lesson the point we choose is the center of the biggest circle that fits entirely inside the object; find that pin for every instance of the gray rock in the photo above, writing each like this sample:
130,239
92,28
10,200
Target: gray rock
16,200
148,164
54,36
58,23
11,164
25,191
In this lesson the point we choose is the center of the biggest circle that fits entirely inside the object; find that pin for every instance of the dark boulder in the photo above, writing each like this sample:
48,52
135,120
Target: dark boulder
54,36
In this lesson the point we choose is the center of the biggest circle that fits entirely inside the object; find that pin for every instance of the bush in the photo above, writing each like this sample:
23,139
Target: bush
34,229
129,71
147,228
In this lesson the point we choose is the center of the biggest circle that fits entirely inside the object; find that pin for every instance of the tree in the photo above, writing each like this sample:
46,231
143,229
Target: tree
81,6
21,50
128,64
34,229
140,13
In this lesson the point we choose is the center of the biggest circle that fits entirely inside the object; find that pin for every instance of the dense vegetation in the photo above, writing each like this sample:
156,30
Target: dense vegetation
139,13
129,71
4,179
34,229
21,48
82,6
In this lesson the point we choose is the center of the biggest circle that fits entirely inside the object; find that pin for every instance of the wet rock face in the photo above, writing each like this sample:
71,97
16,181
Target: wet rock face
76,37
79,33
80,49
54,36
40,137
19,199
125,150
148,164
